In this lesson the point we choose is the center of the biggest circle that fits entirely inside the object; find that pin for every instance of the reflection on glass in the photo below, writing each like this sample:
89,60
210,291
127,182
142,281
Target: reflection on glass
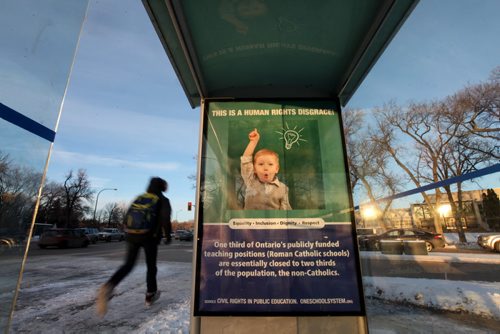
22,159
38,45
411,126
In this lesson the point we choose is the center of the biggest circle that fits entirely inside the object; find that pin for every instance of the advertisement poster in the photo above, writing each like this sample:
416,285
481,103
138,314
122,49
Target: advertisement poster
275,234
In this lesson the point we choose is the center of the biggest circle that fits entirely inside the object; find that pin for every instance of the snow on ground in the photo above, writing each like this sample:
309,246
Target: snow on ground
472,297
66,304
478,298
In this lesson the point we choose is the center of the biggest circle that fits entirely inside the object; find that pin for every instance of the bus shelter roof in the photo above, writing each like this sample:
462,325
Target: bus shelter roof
242,49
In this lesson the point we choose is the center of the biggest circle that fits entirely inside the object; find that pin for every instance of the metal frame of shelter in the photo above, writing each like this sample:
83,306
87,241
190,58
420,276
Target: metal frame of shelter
325,48
244,50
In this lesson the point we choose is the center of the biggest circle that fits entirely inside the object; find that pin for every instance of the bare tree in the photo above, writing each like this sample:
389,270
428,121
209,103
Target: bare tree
477,108
424,135
77,190
368,162
459,159
18,188
474,111
442,139
50,211
4,184
114,213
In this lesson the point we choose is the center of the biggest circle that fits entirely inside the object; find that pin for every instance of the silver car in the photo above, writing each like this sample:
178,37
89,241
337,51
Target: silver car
92,233
489,241
110,234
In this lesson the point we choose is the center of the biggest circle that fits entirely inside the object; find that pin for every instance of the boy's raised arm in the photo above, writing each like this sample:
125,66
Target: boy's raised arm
253,138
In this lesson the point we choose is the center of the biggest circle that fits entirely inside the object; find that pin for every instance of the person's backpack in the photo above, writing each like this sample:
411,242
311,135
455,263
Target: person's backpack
141,216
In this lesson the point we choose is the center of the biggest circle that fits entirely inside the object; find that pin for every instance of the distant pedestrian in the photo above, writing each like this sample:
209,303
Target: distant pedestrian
147,219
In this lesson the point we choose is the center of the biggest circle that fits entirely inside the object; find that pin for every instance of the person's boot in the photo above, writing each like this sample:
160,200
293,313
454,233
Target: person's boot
151,297
103,296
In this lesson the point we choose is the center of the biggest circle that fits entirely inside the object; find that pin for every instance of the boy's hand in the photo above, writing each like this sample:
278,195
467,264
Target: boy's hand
253,138
254,135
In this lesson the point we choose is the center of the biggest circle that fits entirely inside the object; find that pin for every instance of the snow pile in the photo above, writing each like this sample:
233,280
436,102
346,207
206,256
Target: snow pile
478,298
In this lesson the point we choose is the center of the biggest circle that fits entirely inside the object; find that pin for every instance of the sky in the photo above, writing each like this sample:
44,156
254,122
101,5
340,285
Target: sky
126,118
66,304
442,46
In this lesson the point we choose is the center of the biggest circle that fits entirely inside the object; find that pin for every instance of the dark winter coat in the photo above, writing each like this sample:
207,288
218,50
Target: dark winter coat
163,226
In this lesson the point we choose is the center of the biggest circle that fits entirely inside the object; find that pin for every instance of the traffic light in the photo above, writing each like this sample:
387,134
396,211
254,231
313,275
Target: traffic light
190,206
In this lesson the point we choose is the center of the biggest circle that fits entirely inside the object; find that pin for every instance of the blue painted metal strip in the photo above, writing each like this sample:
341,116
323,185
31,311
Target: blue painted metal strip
460,178
12,116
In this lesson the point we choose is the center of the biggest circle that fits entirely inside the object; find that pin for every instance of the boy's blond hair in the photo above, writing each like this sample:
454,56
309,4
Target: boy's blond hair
266,151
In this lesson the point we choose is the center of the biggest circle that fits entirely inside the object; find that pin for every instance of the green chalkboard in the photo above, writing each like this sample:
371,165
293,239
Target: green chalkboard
306,136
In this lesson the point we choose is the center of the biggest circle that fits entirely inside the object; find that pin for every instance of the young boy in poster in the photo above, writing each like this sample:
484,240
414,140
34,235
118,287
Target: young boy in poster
263,189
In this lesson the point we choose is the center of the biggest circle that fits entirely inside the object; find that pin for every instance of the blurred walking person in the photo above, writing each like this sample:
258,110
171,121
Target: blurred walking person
147,221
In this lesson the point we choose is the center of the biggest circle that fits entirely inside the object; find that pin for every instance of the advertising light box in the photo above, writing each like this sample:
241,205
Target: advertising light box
275,229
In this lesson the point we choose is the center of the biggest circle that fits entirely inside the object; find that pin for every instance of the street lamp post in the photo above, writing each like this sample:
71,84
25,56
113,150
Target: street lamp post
97,199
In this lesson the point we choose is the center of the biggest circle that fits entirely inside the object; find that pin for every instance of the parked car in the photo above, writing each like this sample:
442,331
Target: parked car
63,238
432,240
178,233
363,231
185,236
92,233
489,241
12,240
9,242
110,234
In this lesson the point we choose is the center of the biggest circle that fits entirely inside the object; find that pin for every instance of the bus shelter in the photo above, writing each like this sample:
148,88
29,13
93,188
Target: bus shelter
274,250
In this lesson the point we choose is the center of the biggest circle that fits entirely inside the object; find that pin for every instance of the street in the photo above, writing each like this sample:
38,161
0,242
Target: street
177,251
372,263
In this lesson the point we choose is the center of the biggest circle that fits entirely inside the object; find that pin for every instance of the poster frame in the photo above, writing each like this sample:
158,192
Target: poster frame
204,110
